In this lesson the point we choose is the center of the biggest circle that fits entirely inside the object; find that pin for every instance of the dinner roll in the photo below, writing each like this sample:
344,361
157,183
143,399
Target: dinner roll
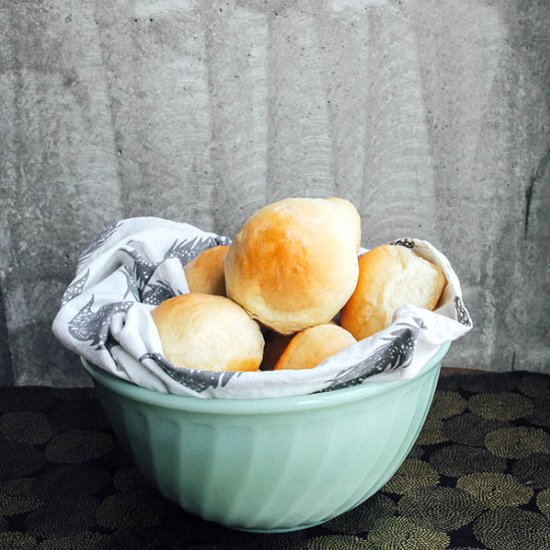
351,215
200,331
312,346
390,277
293,264
205,273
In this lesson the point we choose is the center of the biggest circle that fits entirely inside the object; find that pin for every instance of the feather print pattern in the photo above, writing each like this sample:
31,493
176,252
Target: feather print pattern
195,380
396,353
93,326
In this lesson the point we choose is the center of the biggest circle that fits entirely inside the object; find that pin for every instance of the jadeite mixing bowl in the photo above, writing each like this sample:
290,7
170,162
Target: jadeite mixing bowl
270,465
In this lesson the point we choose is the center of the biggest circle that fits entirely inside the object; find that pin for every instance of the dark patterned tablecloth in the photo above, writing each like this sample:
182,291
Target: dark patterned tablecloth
478,477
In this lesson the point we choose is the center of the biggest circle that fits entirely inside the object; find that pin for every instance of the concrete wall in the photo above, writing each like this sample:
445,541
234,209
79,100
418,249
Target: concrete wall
432,116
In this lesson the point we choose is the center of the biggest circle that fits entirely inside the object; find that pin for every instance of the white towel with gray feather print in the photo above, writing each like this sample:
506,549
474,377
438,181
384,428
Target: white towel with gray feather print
137,263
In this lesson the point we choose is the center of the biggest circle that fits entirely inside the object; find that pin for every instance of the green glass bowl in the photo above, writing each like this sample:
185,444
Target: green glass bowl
270,465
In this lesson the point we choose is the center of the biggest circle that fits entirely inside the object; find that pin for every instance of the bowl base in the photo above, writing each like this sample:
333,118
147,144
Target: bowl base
280,530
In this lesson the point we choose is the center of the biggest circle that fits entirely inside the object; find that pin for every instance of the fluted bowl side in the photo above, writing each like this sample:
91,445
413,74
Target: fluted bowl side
272,464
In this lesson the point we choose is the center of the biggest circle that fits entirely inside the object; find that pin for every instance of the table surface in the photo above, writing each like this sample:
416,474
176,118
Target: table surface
478,477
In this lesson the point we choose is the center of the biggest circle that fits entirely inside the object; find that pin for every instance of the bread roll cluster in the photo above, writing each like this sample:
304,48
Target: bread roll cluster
270,299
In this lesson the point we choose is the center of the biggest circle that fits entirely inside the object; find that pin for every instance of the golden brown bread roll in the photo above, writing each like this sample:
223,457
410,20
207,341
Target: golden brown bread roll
205,273
200,331
351,215
312,346
390,277
293,264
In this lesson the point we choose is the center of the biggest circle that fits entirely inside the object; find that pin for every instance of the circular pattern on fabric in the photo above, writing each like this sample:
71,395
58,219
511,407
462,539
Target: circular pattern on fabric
11,505
62,516
543,502
401,533
535,385
78,446
495,490
512,528
416,452
85,540
500,406
534,471
16,498
447,404
432,433
470,429
413,474
362,517
517,442
71,480
541,413
458,460
26,427
18,459
130,480
19,486
338,542
15,540
440,508
128,510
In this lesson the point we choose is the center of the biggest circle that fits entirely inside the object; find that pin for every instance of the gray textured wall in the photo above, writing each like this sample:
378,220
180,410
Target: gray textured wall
432,116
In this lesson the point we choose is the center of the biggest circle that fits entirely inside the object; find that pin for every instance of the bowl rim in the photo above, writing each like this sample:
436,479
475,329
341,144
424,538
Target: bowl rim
266,405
